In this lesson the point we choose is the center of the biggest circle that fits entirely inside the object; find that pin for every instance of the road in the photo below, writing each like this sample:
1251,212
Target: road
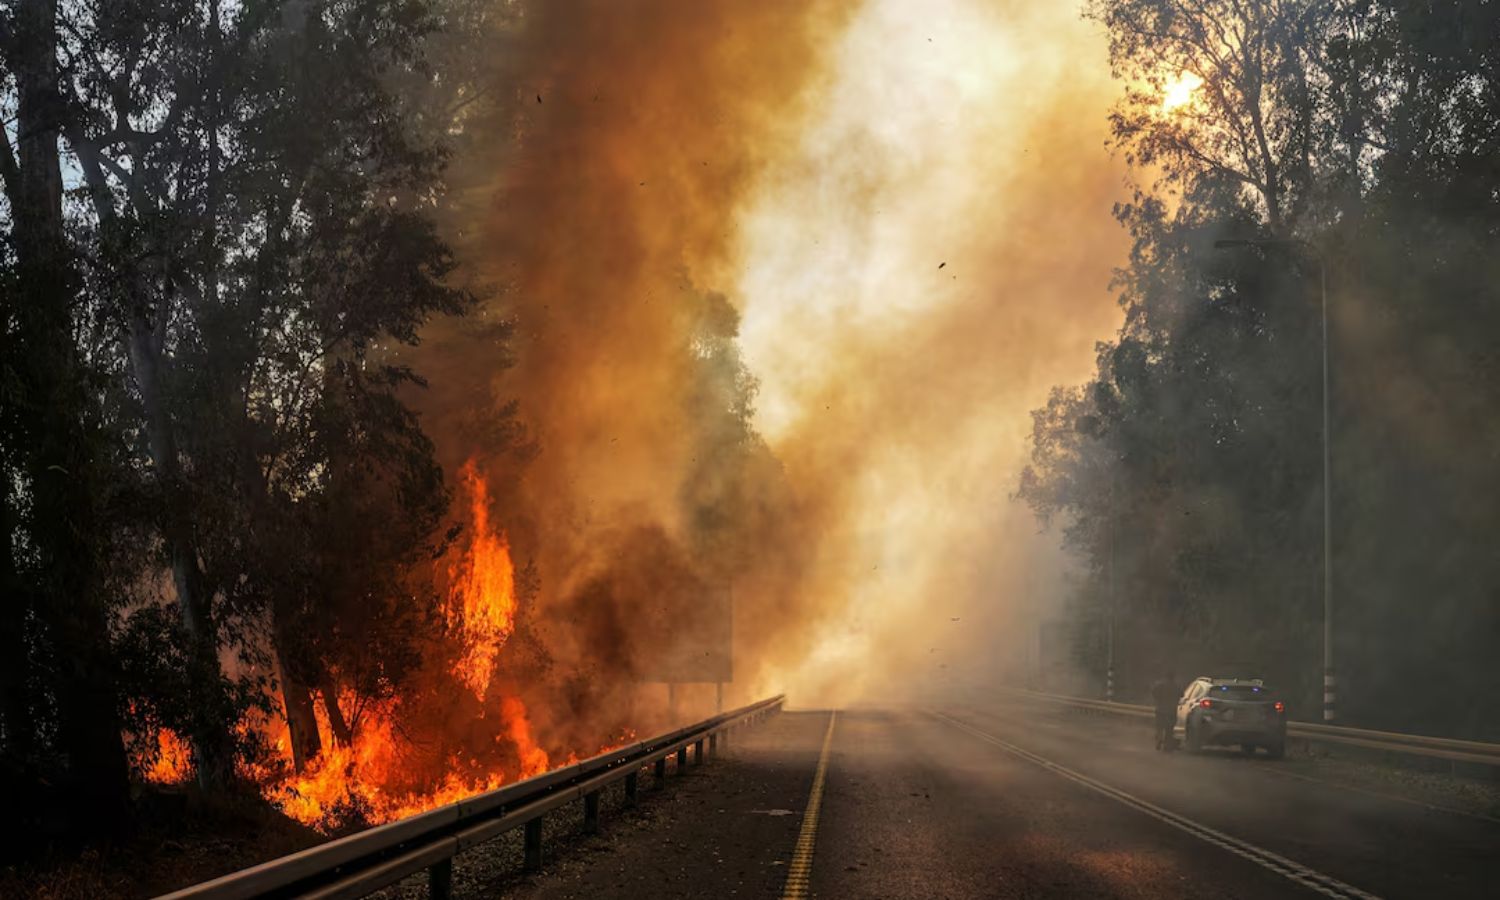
1012,801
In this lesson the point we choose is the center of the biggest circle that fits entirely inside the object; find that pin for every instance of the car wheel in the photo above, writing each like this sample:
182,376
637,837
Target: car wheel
1276,750
1247,749
1194,739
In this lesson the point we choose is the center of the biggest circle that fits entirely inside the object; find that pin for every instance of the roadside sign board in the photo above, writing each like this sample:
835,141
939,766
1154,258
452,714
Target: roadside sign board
693,640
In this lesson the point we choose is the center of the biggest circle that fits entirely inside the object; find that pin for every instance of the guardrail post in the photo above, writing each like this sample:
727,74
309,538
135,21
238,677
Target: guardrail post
591,812
713,745
440,880
631,788
534,844
682,759
661,773
698,753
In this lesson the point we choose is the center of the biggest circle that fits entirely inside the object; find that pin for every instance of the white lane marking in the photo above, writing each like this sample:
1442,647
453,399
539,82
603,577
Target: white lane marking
1309,878
1430,807
1279,769
800,871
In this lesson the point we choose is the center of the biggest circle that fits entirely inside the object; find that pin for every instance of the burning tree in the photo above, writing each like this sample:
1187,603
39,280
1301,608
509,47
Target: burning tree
209,418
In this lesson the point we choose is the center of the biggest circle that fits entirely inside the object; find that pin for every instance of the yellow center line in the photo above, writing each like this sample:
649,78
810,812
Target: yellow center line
800,871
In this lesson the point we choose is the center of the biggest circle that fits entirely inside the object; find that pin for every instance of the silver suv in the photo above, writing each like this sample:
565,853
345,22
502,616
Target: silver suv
1220,711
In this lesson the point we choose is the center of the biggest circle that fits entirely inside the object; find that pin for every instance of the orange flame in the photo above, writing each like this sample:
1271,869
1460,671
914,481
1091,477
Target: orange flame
371,778
380,776
364,779
173,762
482,592
533,757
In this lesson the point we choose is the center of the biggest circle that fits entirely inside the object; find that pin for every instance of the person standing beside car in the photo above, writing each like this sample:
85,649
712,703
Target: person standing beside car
1164,698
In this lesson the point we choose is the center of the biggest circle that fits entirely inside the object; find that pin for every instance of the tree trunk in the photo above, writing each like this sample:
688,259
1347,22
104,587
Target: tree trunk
342,734
17,722
213,746
213,751
64,525
296,697
301,720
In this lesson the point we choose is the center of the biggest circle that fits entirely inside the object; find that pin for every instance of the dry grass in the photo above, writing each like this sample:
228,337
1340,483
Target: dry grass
177,837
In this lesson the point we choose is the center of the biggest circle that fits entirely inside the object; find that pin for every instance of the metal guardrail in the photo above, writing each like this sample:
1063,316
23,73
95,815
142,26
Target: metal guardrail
1451,749
369,860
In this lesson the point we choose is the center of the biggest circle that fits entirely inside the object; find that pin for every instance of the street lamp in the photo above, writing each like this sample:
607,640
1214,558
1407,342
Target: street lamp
1329,682
1109,664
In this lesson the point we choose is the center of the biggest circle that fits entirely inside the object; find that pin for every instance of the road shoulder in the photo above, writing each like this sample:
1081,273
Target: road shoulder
727,829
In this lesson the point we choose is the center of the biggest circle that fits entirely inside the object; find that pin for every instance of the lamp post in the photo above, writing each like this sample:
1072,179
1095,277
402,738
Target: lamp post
1329,681
1109,663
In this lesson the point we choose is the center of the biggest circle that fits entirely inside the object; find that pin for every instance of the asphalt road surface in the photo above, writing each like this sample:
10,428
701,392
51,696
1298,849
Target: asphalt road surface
1019,801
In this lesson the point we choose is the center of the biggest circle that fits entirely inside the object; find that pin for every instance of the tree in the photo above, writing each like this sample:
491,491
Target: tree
52,438
210,382
1255,78
1188,468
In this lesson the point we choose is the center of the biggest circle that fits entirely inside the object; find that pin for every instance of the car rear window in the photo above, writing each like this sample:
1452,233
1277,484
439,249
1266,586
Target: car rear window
1240,691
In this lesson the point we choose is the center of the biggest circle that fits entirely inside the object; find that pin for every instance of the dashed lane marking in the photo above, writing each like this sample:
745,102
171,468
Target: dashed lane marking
1309,878
799,873
1410,801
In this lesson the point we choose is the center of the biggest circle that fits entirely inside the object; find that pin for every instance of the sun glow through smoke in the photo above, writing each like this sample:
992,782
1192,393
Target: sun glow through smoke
1180,91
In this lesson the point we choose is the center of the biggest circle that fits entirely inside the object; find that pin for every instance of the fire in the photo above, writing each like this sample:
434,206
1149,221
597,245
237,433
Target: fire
372,779
385,772
533,757
482,591
364,780
173,762
360,783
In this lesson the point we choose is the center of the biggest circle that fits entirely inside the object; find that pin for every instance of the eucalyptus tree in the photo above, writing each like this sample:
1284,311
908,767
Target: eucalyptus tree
221,233
1371,131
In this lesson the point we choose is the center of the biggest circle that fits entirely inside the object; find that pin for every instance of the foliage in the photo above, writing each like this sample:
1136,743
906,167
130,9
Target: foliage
247,219
1187,474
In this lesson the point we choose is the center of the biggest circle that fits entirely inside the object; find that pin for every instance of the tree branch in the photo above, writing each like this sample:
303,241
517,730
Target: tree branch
10,173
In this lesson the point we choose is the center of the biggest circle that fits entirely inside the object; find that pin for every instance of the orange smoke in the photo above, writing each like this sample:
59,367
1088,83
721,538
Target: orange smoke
482,592
598,197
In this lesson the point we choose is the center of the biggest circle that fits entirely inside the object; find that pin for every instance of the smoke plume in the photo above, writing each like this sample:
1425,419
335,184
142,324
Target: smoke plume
773,287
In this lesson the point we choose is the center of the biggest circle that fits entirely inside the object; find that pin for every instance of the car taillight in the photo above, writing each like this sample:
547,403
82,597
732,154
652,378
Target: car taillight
1280,707
1206,703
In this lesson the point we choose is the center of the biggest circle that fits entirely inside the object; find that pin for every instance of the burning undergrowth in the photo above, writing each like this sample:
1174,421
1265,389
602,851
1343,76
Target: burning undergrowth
459,728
